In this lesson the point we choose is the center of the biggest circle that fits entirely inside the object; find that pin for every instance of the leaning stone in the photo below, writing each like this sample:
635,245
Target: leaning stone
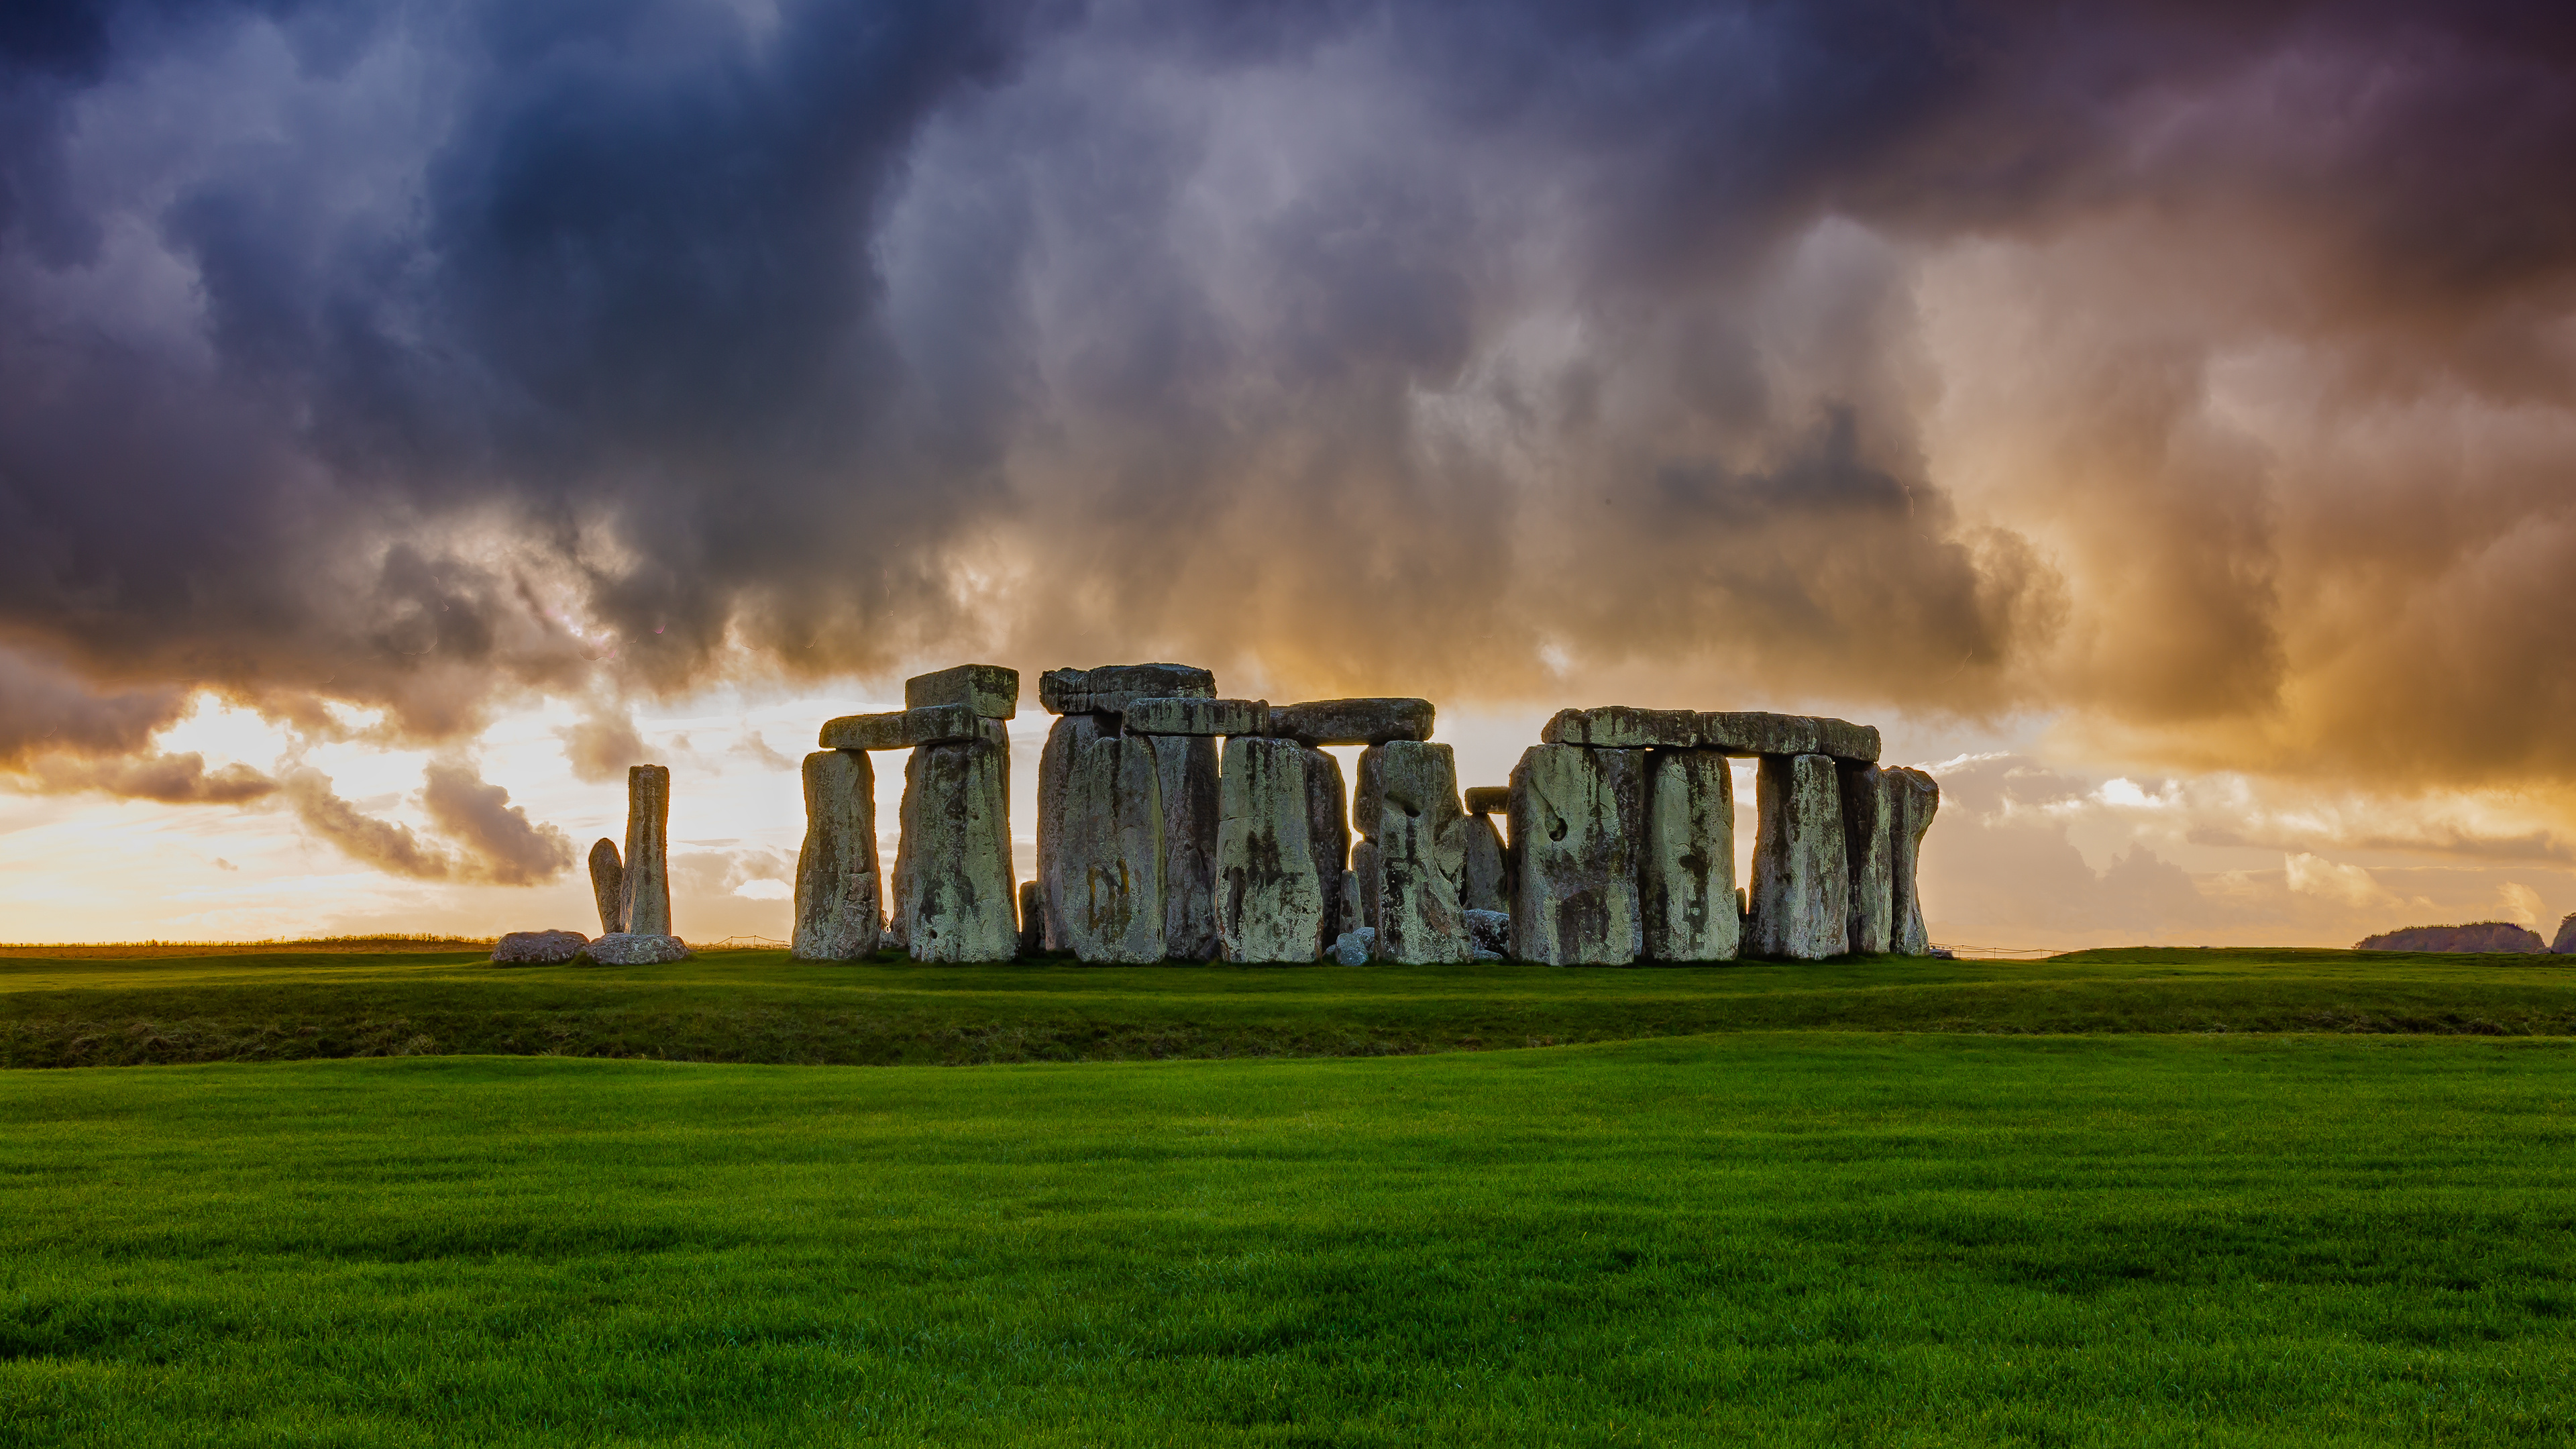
988,689
1913,797
1032,918
1353,721
608,885
1279,855
1490,932
637,948
1183,716
1112,853
1486,885
952,872
1576,815
1488,800
1801,876
840,890
1869,804
538,948
1354,948
1686,864
1185,768
1110,688
1066,739
1751,732
1406,802
904,729
644,888
1623,727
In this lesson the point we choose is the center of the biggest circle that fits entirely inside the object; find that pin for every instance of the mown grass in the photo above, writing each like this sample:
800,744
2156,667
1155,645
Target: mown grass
1811,1238
759,1006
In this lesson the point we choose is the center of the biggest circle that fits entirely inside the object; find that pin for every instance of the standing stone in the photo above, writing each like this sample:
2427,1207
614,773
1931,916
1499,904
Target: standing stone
1185,767
840,891
1486,885
608,886
1801,875
1868,800
952,872
1913,797
1065,740
1279,855
1112,853
1360,887
1576,815
1686,870
644,890
1406,803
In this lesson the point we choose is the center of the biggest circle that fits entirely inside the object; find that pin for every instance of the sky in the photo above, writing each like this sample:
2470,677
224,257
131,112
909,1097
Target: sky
2159,419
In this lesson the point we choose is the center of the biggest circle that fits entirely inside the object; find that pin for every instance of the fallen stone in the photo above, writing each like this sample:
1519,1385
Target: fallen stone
952,873
2565,942
608,885
1912,799
1111,853
1353,721
1801,877
1623,727
904,729
1185,768
840,889
1487,883
1488,800
1576,816
1686,862
1183,716
637,948
1406,805
538,948
988,689
1110,688
1280,853
1354,948
1869,809
644,887
1032,918
1751,732
1490,932
1066,738
2491,937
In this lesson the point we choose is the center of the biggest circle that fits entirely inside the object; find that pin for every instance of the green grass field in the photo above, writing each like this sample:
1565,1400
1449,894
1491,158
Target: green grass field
2133,1198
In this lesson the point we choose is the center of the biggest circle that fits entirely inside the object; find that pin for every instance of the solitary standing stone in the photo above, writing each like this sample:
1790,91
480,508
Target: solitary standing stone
645,889
952,873
1185,767
1487,884
1576,816
1406,802
1279,855
608,886
1066,739
1687,874
1868,797
1113,853
1801,876
840,891
1914,798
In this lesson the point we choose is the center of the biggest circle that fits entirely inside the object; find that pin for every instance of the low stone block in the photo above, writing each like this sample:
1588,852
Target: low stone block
1180,715
1623,727
840,888
608,884
637,948
1110,688
644,886
1488,800
1282,848
1355,948
1353,721
1486,885
990,690
1801,876
904,729
1577,814
1686,865
952,874
1752,732
1913,799
538,948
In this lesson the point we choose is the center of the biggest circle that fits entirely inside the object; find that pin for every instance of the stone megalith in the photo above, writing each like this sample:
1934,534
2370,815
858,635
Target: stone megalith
1185,768
1112,852
1360,886
1686,864
1065,740
990,690
608,885
644,889
1801,876
1486,886
538,948
1279,852
840,890
952,872
1577,814
1912,799
1406,803
1869,798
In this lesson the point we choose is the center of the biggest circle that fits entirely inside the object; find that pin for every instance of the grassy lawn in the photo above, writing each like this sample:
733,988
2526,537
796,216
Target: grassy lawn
1812,1237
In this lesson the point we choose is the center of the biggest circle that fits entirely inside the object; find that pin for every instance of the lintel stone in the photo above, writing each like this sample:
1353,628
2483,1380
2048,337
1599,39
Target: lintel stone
1182,715
1110,688
903,729
990,690
1376,721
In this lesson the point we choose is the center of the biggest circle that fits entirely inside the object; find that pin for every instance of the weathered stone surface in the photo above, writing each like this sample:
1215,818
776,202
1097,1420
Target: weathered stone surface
1751,732
1686,862
608,884
1110,688
904,729
1577,814
952,872
1869,809
1066,738
1487,883
2492,937
538,948
644,888
1355,948
1111,853
1032,918
1180,716
1801,877
1185,768
1353,913
1406,803
1280,853
1360,888
988,689
1488,800
2564,944
840,889
1353,721
1623,727
1912,798
1490,932
637,948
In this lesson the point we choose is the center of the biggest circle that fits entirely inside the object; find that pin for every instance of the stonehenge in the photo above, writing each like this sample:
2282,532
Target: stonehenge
953,898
